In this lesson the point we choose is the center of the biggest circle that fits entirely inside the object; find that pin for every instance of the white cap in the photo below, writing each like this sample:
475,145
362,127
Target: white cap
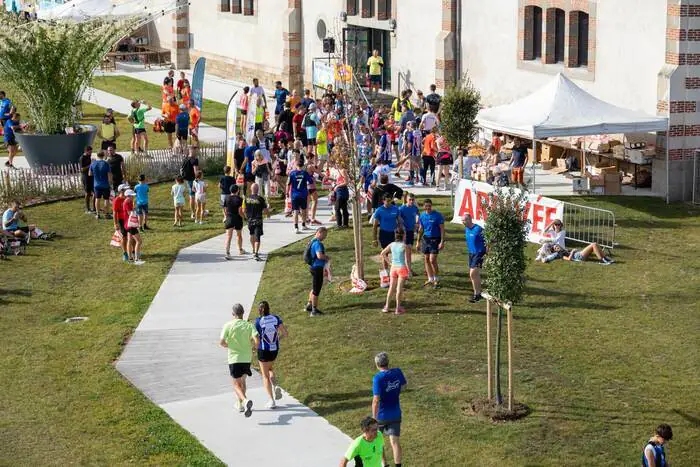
123,186
130,193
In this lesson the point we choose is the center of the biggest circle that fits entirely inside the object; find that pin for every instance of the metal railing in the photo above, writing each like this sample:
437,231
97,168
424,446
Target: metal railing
589,225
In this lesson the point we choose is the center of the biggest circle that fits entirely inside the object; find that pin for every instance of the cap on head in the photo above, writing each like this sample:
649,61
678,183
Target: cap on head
129,193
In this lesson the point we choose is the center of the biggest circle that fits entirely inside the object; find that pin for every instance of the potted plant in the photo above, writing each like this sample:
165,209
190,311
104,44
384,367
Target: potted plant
49,64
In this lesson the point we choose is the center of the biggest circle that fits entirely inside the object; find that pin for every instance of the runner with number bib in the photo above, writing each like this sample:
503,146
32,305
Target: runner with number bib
298,190
270,329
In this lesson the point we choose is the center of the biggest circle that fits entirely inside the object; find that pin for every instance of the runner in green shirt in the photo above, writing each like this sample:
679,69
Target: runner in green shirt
240,338
139,116
375,63
366,450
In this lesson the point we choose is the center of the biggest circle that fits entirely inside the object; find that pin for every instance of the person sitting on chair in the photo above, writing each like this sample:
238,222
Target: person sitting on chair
10,222
582,255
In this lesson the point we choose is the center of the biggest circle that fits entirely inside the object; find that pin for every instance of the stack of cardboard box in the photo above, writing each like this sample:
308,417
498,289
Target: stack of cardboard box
549,155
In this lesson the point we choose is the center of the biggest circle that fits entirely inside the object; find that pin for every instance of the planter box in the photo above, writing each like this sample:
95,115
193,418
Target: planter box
46,150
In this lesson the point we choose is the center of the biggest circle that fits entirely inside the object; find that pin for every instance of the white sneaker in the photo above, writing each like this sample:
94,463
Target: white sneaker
298,231
191,216
278,393
248,405
239,406
271,405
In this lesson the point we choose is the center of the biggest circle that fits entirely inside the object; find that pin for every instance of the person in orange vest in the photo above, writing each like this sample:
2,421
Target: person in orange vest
167,91
195,117
186,94
170,110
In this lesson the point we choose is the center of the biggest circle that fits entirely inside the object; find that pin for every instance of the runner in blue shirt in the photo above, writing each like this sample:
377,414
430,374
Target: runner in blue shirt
319,259
386,222
386,408
101,174
409,216
431,228
298,192
281,94
384,147
270,329
5,106
141,190
249,155
476,245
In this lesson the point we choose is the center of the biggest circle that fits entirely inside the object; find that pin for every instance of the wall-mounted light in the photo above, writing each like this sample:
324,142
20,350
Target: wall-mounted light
392,24
343,17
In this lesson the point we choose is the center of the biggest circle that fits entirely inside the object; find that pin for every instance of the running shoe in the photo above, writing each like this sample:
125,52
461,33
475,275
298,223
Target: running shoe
257,257
436,285
308,307
278,393
271,405
298,230
385,309
239,406
248,404
608,260
227,257
410,184
427,283
400,311
315,313
146,227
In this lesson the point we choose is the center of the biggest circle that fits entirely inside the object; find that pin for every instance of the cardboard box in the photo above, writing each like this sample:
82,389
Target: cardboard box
603,170
613,183
618,150
595,180
561,164
546,164
550,152
639,156
539,153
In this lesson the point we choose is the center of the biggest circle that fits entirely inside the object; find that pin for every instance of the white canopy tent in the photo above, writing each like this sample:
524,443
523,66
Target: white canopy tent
81,10
561,108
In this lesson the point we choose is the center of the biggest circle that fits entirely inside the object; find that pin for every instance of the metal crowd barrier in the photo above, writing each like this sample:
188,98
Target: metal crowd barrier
589,225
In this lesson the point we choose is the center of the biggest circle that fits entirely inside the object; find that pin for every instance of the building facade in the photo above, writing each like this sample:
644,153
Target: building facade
640,55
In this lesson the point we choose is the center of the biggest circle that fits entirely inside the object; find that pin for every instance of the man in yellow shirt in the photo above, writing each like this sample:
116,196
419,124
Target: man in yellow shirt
375,63
240,337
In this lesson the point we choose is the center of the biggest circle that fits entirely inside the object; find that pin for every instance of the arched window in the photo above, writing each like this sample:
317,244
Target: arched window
578,39
556,35
532,47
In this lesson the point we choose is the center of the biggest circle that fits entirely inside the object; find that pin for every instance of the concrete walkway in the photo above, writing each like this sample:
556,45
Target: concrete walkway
175,359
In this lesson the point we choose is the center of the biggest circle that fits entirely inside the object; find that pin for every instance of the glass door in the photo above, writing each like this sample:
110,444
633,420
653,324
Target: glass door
356,50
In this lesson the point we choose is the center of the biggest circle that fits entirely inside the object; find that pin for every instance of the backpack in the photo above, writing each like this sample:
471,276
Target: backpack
186,169
308,255
308,121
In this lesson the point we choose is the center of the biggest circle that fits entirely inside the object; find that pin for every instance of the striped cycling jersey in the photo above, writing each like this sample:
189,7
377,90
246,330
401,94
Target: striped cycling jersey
267,328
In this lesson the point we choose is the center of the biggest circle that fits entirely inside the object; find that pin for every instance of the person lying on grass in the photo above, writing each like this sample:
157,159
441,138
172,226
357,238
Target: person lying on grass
582,255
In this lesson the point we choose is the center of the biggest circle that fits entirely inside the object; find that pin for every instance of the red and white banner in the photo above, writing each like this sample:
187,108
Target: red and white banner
540,211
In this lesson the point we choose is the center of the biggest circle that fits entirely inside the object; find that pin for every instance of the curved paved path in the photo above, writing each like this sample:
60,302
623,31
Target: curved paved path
173,357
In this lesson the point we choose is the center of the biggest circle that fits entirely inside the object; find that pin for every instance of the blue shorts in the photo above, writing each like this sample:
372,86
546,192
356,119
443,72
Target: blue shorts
299,204
578,256
476,260
142,209
431,245
375,79
386,238
410,237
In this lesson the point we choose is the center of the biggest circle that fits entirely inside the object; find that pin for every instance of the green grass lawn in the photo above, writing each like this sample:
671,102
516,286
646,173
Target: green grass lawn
213,113
602,353
61,399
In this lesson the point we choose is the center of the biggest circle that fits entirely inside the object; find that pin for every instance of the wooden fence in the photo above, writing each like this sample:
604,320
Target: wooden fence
56,182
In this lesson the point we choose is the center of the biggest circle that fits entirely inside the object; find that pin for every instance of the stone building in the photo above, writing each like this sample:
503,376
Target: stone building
639,54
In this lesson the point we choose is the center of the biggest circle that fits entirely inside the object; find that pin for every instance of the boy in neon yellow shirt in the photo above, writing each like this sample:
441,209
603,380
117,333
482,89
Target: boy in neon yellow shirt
322,146
367,448
240,338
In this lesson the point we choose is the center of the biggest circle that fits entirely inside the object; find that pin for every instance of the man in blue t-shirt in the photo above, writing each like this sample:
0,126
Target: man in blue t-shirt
384,147
409,217
320,259
386,409
476,245
298,192
102,180
281,94
431,228
248,156
386,221
5,106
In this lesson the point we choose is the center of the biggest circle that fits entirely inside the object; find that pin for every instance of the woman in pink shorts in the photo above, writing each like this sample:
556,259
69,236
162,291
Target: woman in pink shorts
399,270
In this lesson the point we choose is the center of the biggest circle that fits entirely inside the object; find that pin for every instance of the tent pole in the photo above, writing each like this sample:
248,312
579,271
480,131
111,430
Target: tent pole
534,159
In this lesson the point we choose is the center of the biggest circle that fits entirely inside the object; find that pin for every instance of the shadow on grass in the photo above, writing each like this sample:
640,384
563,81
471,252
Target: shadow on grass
338,401
7,294
553,411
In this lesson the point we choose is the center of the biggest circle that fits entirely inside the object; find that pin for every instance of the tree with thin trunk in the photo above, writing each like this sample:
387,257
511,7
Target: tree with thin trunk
505,232
458,111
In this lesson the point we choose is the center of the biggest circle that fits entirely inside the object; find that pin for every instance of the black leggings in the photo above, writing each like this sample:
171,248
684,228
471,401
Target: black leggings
342,216
428,163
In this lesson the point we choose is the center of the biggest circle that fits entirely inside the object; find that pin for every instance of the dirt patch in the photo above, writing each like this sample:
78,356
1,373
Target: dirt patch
496,413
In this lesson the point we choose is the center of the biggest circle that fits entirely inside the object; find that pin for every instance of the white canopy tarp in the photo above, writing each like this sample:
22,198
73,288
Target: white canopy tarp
561,108
81,10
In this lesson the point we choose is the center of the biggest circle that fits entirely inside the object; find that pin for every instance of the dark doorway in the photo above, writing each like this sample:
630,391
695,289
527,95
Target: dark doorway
358,44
